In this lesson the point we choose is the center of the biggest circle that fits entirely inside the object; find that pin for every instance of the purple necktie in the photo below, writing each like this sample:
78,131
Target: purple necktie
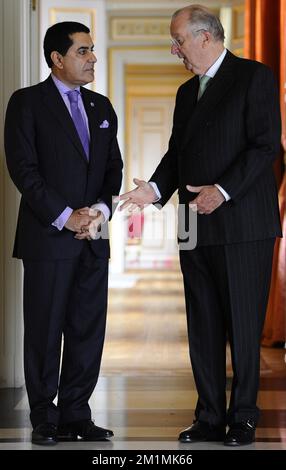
78,120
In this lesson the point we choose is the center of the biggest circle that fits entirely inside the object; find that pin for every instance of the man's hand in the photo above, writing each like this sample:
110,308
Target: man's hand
78,219
143,195
89,231
209,198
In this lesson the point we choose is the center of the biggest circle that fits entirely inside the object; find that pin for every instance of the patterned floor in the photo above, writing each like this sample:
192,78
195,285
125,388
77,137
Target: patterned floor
146,392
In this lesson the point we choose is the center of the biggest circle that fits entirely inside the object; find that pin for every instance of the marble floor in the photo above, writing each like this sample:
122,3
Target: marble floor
146,392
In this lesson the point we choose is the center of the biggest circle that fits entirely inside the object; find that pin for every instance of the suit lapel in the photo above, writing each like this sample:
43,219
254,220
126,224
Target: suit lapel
57,107
214,93
193,94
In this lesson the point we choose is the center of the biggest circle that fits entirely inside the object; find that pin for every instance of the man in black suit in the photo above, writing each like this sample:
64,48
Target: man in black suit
63,156
225,137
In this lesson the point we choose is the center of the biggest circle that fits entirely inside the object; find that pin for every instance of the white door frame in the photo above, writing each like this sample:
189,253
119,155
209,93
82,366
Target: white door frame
15,52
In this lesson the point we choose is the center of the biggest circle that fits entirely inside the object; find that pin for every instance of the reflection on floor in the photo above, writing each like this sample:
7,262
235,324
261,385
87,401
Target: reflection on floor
146,392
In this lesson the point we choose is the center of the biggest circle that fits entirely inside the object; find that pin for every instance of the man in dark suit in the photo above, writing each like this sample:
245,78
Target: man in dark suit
63,156
225,137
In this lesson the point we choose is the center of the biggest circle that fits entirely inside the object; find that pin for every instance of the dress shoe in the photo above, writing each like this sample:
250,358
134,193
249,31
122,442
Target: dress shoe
240,434
45,434
85,430
202,431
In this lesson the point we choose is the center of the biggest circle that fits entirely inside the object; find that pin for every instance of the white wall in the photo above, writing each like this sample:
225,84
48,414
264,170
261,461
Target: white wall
14,74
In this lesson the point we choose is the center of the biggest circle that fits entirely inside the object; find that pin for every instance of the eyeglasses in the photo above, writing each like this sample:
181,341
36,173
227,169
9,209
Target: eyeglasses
176,42
179,42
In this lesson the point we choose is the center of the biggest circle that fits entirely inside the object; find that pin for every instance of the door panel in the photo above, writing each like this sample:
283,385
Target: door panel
149,132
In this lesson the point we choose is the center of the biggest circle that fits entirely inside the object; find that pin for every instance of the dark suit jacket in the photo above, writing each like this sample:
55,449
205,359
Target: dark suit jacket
47,163
231,136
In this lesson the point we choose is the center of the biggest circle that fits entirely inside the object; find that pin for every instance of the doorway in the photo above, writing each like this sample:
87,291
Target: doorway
150,99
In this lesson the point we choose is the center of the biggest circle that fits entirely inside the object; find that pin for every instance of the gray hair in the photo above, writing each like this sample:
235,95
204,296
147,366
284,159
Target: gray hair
201,18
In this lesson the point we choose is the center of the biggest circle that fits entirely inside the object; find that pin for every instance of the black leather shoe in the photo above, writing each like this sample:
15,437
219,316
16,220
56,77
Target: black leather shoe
85,430
201,431
240,434
45,434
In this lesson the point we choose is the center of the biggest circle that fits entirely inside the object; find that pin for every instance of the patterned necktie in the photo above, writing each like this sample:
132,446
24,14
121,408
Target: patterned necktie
204,80
78,120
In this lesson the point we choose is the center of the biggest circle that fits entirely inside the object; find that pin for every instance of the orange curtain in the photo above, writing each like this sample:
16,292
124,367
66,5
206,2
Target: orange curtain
274,328
265,41
283,64
262,32
262,42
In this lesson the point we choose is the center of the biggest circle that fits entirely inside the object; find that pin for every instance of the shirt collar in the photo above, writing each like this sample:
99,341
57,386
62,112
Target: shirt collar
214,67
62,87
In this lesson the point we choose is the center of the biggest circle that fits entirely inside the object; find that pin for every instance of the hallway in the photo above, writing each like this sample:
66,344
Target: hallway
146,392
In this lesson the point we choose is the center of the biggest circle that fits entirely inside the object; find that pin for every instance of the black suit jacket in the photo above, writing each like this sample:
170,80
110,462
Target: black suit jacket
231,136
47,163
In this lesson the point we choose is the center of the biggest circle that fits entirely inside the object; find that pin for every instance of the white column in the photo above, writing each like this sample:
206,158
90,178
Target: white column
14,74
226,20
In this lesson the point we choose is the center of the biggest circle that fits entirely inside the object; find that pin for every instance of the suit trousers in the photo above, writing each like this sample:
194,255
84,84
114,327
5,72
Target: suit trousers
63,299
226,293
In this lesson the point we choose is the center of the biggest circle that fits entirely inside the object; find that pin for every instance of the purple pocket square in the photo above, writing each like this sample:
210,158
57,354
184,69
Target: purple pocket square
104,124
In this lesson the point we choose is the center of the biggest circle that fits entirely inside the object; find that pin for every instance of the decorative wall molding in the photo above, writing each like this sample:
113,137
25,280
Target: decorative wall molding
136,28
238,23
81,15
160,5
237,41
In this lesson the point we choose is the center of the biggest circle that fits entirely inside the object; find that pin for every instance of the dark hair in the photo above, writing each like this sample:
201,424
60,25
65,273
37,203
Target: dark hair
57,38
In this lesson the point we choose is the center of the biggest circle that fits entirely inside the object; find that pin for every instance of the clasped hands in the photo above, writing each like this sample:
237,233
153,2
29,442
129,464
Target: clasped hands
85,222
209,197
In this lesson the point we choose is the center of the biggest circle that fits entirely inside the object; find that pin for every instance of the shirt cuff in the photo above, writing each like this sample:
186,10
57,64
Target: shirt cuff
102,207
223,192
60,222
156,189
